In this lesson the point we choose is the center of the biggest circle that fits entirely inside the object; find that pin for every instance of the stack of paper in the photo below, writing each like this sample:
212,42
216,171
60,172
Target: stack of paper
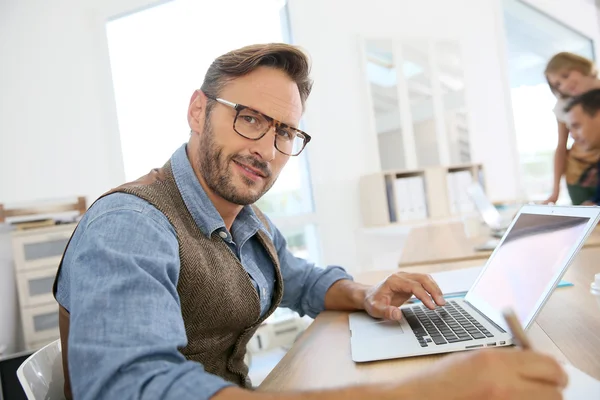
411,204
458,198
457,282
581,385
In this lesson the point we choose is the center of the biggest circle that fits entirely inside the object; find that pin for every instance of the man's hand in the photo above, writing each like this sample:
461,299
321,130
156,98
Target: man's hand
383,299
499,374
588,203
490,374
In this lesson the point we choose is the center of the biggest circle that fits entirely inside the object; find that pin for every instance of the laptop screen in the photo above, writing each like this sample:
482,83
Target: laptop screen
527,264
488,212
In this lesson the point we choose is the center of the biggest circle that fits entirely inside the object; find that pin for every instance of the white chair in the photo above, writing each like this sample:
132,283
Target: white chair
41,375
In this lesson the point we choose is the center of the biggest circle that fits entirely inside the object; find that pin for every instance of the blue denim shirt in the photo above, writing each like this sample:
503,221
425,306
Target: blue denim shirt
119,283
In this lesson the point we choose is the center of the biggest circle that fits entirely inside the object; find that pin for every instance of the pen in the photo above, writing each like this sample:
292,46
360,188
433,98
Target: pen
519,336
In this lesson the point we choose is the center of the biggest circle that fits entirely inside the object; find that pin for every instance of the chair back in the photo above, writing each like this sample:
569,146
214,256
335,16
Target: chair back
41,375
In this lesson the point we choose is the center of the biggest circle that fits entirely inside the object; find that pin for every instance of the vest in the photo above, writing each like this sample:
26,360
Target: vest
220,306
580,163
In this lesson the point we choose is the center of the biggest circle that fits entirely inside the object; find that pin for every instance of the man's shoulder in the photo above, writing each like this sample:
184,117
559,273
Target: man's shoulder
117,204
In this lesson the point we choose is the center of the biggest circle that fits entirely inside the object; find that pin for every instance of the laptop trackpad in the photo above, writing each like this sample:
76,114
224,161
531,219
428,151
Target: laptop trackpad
374,328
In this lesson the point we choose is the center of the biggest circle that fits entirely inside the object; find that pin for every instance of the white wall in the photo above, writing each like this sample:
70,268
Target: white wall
58,127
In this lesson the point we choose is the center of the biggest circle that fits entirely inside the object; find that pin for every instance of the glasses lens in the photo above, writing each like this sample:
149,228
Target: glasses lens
251,124
289,141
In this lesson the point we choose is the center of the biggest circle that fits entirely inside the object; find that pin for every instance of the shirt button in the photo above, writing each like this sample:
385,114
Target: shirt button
223,234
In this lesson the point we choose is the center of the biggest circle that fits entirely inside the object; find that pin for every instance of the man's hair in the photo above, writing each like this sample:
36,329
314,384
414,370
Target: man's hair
284,57
589,101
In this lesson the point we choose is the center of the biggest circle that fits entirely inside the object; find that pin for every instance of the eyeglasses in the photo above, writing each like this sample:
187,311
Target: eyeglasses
254,125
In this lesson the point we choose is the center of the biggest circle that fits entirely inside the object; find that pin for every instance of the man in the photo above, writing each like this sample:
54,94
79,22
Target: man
584,122
166,279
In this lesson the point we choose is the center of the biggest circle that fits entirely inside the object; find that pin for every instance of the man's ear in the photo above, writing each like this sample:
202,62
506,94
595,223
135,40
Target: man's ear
197,111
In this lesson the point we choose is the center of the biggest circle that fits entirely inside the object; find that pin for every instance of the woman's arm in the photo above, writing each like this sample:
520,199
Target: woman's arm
560,161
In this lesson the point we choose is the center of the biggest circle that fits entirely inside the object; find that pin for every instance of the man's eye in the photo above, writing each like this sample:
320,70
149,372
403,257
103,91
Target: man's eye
285,134
249,119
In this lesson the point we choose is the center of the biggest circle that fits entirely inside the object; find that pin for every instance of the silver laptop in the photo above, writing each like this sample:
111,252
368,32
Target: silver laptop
489,213
521,273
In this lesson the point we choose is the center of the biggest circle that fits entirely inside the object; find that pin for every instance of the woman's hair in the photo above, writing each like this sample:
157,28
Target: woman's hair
568,61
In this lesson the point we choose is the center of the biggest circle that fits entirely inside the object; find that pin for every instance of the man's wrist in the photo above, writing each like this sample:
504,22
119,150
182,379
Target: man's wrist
346,295
356,293
359,294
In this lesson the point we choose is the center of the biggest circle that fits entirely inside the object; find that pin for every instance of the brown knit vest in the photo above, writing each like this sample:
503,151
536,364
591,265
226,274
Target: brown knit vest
219,304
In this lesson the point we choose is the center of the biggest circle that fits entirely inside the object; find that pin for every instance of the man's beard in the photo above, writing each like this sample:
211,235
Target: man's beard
216,171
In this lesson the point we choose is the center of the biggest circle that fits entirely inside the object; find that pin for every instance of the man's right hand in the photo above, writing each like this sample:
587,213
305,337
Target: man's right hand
507,374
499,374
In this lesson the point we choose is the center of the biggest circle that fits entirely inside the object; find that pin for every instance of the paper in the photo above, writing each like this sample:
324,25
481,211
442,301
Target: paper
457,283
581,385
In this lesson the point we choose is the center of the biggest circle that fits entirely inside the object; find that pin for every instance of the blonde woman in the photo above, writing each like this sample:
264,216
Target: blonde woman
570,75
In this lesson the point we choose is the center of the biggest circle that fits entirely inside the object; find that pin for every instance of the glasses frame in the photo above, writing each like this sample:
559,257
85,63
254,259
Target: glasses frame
272,123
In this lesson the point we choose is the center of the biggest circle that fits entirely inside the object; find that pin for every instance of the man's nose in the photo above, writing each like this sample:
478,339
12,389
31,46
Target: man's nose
265,146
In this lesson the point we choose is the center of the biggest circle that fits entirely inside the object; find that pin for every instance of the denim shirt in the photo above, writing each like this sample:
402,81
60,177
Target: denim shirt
119,283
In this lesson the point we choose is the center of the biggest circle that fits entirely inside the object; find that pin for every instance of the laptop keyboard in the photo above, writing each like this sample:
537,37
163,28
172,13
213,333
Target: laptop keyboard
446,324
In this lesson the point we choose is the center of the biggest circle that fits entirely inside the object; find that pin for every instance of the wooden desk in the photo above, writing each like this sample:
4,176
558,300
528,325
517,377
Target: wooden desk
568,328
447,242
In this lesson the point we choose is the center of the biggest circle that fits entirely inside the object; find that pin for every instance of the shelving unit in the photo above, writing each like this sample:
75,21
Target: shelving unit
397,197
39,234
37,253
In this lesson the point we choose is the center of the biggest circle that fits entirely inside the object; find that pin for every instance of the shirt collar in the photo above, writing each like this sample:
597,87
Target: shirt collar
198,203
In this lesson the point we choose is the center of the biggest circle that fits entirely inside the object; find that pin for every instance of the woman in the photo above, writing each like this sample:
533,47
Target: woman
570,75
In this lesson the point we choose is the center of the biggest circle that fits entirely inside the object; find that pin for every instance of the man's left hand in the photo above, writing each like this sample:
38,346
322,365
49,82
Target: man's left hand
383,299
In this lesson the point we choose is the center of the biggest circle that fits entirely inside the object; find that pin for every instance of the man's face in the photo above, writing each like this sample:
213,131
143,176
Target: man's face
235,168
584,127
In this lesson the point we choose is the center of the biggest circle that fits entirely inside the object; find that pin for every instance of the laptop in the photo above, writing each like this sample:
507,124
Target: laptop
489,213
521,273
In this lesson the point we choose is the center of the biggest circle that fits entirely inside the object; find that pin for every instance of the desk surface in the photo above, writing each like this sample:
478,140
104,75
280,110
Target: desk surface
447,242
568,328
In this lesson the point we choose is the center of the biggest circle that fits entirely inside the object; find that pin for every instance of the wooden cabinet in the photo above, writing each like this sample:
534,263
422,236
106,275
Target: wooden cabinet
37,254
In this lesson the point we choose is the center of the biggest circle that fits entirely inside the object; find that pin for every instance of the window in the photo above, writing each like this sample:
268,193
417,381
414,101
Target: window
532,39
160,55
418,101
